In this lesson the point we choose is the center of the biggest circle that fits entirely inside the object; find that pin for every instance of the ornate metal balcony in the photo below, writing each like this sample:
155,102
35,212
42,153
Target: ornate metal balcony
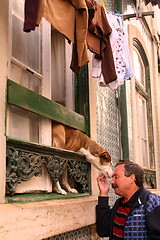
24,160
150,179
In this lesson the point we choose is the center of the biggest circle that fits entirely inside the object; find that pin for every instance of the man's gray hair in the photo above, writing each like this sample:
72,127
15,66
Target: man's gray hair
133,168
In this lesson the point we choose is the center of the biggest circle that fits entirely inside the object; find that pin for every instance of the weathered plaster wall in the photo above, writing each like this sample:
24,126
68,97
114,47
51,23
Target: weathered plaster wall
3,76
40,220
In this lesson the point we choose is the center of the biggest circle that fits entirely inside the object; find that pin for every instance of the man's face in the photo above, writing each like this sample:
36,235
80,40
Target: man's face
120,183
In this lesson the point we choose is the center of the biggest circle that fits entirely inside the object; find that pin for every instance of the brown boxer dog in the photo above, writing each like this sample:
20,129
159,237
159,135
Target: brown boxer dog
72,139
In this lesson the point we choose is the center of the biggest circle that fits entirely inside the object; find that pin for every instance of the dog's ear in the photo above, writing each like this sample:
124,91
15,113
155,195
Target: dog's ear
106,155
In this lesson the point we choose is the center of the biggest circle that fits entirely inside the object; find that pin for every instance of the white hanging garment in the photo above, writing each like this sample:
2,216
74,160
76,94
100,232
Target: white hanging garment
121,54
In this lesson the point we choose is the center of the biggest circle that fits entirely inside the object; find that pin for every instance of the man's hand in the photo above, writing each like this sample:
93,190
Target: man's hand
103,185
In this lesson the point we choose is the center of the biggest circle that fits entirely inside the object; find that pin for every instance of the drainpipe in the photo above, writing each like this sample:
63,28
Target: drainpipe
124,122
124,145
118,5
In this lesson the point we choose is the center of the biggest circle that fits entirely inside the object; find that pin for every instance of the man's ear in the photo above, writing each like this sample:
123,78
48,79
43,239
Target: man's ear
132,178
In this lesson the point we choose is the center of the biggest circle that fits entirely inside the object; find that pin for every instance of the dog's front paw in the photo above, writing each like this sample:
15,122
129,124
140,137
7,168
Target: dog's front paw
73,190
62,191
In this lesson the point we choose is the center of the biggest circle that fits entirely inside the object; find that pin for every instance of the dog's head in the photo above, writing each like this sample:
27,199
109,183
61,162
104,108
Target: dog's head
105,158
105,161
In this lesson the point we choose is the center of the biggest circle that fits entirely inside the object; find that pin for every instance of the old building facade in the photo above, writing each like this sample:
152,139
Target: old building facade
38,87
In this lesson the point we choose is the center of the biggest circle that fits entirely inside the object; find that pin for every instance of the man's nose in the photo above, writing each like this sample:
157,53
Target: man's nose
112,180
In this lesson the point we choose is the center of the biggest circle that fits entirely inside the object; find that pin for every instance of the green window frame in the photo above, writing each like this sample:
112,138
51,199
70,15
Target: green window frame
146,94
26,99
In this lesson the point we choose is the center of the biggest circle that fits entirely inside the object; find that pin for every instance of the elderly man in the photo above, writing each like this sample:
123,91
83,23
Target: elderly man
136,214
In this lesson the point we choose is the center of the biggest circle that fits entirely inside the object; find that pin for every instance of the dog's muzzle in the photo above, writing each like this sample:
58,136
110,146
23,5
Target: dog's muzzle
107,171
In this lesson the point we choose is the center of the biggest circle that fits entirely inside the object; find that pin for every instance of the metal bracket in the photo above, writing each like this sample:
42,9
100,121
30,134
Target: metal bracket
133,15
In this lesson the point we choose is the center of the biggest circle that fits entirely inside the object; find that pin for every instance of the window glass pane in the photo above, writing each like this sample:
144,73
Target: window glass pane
145,139
142,112
58,67
138,68
142,130
18,8
137,103
145,153
23,124
25,52
26,47
62,83
25,78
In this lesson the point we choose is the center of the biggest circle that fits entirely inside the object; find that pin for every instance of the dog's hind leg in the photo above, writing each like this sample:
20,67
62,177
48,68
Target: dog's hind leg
65,182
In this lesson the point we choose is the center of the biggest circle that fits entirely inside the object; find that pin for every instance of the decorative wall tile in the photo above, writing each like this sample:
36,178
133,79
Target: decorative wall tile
79,234
108,133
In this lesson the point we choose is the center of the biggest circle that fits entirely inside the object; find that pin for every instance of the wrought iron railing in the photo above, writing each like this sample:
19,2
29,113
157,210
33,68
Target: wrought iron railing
25,160
150,178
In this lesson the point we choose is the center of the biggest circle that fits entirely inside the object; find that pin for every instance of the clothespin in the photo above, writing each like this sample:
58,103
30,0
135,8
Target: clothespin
111,11
138,9
118,14
103,5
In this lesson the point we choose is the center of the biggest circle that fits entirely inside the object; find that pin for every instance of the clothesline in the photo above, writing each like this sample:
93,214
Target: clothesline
120,51
123,69
103,35
133,15
127,16
115,12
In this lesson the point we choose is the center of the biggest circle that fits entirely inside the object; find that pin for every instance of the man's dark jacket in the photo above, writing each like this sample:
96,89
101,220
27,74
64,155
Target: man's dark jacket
143,221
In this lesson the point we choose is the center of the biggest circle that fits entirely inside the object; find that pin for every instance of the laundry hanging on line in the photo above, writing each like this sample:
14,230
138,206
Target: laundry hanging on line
86,25
121,54
98,41
69,17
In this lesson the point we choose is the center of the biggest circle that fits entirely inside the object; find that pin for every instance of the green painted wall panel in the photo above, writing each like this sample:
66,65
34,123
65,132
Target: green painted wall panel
124,123
82,96
29,100
118,5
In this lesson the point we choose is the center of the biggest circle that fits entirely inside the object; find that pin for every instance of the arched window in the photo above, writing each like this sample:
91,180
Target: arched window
144,131
139,68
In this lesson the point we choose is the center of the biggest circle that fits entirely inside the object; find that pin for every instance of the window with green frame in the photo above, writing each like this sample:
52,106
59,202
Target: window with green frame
144,106
43,67
38,70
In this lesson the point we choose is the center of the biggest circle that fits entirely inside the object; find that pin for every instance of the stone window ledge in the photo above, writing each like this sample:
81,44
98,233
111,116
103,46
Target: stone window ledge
45,219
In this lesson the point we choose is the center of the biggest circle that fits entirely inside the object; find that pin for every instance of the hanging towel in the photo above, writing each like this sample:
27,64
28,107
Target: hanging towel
98,39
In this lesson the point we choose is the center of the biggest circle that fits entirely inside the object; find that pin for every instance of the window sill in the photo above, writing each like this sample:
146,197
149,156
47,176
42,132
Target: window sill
40,197
40,220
